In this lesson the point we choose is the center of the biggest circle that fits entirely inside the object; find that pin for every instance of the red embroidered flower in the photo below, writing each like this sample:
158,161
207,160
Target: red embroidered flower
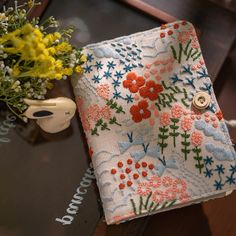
151,90
140,111
219,115
196,138
133,82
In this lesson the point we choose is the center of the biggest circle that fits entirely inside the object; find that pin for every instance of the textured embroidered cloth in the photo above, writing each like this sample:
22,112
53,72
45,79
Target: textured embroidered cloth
152,150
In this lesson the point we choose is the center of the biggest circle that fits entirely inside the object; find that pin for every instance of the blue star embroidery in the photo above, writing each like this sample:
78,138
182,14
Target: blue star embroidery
127,68
189,82
111,65
233,169
118,74
129,98
88,69
220,169
90,57
218,185
208,160
96,79
107,74
208,173
116,95
99,65
230,180
116,83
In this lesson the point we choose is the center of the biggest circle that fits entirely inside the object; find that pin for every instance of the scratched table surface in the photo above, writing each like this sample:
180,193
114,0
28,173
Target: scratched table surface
40,173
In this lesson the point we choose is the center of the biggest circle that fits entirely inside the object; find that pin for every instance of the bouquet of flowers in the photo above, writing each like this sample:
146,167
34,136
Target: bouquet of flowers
31,58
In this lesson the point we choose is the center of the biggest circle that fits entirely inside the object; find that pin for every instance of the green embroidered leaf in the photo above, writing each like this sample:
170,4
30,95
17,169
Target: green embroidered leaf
162,136
185,143
174,126
185,135
199,166
94,131
174,134
175,120
189,53
155,208
163,129
187,151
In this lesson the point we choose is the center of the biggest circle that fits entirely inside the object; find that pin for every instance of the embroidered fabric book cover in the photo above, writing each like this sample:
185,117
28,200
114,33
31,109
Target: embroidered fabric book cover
156,133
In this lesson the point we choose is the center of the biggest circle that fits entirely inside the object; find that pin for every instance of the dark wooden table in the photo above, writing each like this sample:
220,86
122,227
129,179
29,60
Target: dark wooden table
40,172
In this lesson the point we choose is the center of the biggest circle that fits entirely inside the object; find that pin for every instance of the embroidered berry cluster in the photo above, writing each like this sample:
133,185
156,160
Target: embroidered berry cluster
129,172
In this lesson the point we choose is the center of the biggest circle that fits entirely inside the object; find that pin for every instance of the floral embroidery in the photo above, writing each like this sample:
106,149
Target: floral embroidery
196,140
155,181
161,195
133,82
176,111
151,90
140,111
143,189
105,112
103,91
158,196
129,82
165,119
167,181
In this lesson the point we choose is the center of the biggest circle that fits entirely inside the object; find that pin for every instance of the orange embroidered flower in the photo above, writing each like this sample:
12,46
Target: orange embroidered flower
179,186
176,111
186,124
140,111
133,82
155,181
151,90
219,115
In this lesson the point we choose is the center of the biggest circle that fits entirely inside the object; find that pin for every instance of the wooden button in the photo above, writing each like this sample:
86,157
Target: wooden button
201,100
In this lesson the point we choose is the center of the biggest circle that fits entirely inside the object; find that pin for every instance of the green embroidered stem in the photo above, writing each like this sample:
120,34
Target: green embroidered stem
113,120
189,53
180,52
134,207
187,46
113,105
198,158
157,205
166,98
163,137
150,207
140,204
174,127
173,52
197,56
147,200
186,144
